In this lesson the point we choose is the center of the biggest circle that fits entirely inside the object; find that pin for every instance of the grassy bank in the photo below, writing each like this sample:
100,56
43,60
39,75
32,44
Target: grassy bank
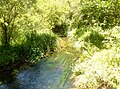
98,65
31,49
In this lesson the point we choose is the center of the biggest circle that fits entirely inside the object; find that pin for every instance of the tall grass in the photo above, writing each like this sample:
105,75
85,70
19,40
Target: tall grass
32,49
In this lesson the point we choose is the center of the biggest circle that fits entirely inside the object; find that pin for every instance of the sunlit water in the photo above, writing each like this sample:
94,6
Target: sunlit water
50,73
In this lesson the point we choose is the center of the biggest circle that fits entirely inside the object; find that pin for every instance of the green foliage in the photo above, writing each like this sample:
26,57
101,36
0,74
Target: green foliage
36,46
101,68
31,50
7,55
58,16
26,25
10,11
103,13
61,30
86,34
79,32
112,38
95,38
97,68
25,31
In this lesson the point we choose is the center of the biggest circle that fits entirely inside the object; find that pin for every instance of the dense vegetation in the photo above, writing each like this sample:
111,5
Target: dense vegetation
97,38
28,30
99,61
22,37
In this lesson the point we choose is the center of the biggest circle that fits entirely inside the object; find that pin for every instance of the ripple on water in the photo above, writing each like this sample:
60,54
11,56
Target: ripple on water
46,74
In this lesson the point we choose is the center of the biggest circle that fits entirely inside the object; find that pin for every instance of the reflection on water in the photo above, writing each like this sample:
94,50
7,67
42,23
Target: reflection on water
51,73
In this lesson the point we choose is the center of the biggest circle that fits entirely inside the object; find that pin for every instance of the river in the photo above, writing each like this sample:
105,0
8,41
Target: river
50,73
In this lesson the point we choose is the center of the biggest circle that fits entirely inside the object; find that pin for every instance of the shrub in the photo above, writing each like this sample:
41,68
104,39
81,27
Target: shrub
7,55
81,31
98,68
95,38
101,70
112,38
104,13
37,45
60,29
31,50
90,35
58,20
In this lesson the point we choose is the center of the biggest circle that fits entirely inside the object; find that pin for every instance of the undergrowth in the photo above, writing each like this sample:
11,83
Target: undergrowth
98,65
32,49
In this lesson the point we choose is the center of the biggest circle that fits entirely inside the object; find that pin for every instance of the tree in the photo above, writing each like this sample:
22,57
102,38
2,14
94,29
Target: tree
10,10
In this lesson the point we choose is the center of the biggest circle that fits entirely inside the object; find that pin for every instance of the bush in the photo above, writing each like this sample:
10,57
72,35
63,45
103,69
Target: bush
81,31
31,50
104,13
37,45
101,70
98,68
90,35
7,56
58,20
60,29
96,39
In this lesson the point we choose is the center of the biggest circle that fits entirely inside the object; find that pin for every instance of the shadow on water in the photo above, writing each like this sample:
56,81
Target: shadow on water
6,77
50,73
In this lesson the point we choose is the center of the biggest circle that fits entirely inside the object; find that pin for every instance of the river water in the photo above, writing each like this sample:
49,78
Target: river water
50,73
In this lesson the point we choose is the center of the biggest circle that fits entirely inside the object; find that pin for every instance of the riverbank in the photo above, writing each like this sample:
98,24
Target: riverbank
50,73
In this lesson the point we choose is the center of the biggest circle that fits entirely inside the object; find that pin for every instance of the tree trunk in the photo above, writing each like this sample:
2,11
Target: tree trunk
5,40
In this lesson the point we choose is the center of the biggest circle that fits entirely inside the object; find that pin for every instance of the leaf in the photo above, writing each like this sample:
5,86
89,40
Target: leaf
15,0
1,20
6,23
